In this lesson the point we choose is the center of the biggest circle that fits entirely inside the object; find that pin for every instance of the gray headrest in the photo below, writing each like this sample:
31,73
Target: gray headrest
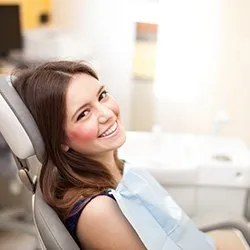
17,124
51,229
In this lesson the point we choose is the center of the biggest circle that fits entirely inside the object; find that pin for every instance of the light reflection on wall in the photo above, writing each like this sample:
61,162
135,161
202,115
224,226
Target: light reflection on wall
187,50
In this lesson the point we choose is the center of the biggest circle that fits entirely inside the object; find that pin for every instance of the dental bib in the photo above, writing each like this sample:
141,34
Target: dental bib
159,222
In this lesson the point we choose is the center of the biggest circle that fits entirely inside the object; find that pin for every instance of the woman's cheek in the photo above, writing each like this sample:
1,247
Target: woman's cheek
83,135
114,106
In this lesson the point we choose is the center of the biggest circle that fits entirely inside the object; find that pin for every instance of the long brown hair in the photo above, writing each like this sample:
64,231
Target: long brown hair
65,176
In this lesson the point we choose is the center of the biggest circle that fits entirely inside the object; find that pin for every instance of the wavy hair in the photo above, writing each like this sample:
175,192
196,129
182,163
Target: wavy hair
65,176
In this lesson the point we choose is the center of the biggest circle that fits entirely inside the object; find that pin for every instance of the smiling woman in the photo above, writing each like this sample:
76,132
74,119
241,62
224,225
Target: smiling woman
81,128
80,125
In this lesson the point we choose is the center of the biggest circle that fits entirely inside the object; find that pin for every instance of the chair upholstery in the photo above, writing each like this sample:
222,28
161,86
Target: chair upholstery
47,220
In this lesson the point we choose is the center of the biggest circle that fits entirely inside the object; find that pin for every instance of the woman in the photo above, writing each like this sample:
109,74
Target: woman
81,128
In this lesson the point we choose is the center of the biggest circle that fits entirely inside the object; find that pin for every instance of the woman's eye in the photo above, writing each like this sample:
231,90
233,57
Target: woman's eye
82,114
103,95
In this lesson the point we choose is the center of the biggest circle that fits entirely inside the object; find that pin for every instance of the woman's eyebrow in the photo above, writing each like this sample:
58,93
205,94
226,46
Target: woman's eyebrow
100,90
82,106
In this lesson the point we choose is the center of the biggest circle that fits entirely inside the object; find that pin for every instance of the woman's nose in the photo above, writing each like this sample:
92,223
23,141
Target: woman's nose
104,113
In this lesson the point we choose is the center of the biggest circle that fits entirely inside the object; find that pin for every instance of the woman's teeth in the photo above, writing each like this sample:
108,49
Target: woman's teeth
110,130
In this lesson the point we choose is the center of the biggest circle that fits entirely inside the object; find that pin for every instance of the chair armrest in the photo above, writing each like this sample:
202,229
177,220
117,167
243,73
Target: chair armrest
214,222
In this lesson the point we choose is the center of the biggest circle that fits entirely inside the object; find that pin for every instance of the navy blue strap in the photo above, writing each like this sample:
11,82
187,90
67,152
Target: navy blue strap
72,220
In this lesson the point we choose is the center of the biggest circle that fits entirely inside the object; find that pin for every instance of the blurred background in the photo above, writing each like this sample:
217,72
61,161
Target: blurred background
175,67
185,63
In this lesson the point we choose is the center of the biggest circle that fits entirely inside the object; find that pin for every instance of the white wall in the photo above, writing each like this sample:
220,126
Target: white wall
106,28
235,66
207,52
204,65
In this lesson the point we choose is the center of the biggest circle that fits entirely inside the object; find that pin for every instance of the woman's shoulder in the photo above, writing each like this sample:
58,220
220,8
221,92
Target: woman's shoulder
98,209
84,201
102,225
81,205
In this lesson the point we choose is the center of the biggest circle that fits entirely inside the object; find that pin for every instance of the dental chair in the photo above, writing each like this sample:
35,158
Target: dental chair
23,137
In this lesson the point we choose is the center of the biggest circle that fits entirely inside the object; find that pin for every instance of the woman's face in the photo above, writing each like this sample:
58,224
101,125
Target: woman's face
93,125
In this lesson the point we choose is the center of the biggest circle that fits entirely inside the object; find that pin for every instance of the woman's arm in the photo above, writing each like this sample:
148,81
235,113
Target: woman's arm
102,226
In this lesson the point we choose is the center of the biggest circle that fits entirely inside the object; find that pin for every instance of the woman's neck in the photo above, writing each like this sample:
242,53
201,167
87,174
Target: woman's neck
108,160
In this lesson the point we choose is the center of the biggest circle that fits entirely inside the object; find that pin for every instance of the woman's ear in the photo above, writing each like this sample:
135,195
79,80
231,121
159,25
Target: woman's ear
65,147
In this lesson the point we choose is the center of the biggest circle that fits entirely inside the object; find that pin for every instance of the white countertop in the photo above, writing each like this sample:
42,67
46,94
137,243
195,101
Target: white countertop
189,159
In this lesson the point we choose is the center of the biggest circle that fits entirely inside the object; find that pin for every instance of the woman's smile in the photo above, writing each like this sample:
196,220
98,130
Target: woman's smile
110,131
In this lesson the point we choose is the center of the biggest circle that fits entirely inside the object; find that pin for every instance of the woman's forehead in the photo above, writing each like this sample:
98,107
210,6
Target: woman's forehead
82,89
82,85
